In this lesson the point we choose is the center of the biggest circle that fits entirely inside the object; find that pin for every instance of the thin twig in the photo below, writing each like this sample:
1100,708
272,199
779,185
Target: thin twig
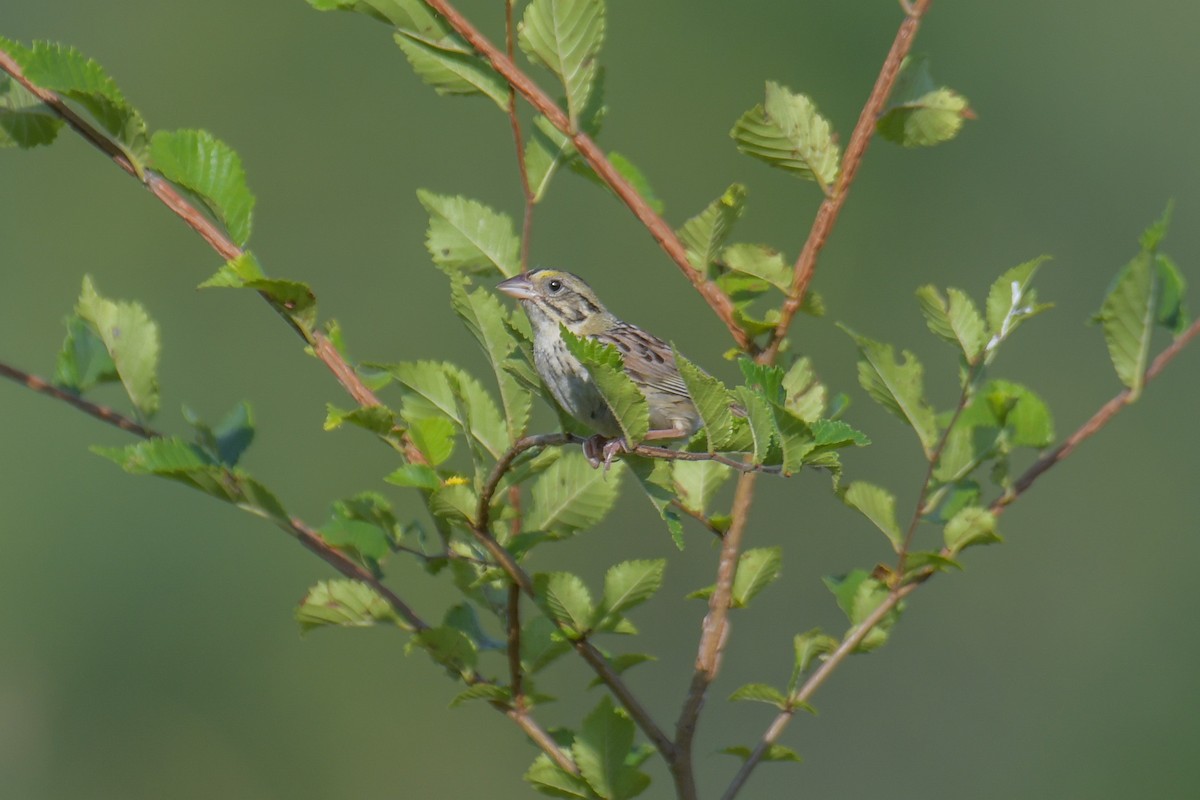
1097,421
518,139
714,632
515,673
542,739
102,413
208,230
831,206
720,303
696,515
849,644
1093,425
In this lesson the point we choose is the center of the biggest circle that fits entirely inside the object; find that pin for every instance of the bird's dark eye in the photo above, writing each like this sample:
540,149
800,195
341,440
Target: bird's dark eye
554,285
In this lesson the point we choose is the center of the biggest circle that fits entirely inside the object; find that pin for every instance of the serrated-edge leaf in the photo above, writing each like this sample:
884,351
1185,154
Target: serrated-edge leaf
757,569
607,368
548,778
449,70
565,36
1010,300
897,386
1127,316
631,583
200,162
760,693
776,752
132,341
343,603
484,317
565,598
697,481
569,495
762,424
879,506
83,361
416,476
955,320
601,748
465,234
971,526
711,398
925,121
787,132
1172,307
706,233
760,261
481,691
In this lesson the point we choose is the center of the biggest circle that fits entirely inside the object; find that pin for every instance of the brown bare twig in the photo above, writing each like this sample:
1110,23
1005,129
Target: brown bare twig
216,238
831,206
598,161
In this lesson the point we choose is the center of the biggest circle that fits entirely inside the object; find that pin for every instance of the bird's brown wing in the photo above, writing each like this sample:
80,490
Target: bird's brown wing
648,359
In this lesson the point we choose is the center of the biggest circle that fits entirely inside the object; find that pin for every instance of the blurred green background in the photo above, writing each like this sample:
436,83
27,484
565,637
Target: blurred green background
147,643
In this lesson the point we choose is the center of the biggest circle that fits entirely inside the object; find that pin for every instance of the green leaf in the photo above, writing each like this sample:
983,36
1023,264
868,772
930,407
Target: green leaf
765,378
485,317
570,495
465,235
761,262
203,164
762,425
454,501
1172,309
450,68
65,70
606,366
546,776
478,412
630,172
897,386
956,321
804,395
444,389
541,643
971,526
761,693
776,752
601,749
293,298
858,594
757,569
1021,412
230,438
1131,309
808,648
704,234
565,37
879,506
919,113
416,476
449,647
1011,300
24,121
434,437
181,461
84,361
549,148
482,691
131,339
697,481
711,398
787,132
630,583
654,475
565,598
379,420
349,604
360,539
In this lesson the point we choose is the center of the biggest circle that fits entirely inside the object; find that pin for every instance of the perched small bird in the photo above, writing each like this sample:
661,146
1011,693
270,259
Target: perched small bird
552,298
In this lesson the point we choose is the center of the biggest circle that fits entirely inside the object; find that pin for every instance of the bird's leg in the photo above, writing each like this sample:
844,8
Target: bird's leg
612,447
593,447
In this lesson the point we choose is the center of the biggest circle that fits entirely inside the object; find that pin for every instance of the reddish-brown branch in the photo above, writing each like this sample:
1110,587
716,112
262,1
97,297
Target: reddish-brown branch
831,206
518,140
102,413
658,227
714,632
195,219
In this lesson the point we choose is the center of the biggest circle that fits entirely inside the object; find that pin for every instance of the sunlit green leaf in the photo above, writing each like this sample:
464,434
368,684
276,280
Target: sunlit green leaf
484,317
920,113
761,262
203,164
706,233
1011,300
466,235
971,526
450,68
343,603
697,481
787,132
956,320
131,339
898,386
879,506
630,583
565,37
601,750
757,569
711,398
761,693
607,368
566,599
570,495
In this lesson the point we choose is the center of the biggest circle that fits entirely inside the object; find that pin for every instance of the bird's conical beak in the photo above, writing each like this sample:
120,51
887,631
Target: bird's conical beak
518,286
